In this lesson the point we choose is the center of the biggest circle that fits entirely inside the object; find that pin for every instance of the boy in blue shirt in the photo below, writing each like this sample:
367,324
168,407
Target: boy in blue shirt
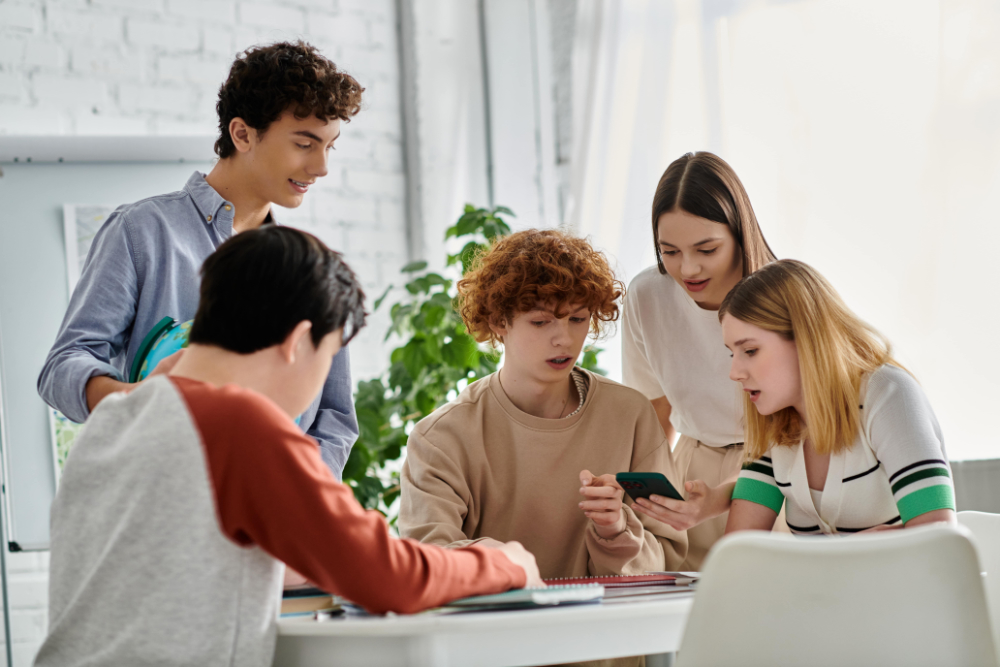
280,112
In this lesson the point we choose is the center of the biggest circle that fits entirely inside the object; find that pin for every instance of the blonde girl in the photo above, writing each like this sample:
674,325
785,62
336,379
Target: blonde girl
836,429
706,239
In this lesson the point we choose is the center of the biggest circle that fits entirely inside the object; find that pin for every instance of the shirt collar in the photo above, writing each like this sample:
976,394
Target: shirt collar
208,201
204,196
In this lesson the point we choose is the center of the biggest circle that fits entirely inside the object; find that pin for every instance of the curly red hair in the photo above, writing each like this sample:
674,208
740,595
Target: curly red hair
534,267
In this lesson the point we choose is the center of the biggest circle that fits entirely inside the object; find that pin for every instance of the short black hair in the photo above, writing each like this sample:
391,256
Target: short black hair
264,81
257,286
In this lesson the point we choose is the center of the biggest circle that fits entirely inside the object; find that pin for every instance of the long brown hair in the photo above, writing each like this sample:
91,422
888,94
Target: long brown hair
703,184
835,347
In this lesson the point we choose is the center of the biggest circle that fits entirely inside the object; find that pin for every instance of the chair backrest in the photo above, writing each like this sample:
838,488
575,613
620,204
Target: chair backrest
906,597
985,528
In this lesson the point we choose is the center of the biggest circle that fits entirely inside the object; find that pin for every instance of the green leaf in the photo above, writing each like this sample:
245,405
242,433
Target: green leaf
368,491
399,376
432,348
441,299
504,210
413,267
588,360
378,301
436,279
433,314
425,402
462,352
414,358
357,462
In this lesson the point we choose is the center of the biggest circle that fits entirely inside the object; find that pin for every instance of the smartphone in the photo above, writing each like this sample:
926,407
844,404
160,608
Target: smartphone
645,484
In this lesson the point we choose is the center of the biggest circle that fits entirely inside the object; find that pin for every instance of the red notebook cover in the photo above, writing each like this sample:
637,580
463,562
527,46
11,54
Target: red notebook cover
618,580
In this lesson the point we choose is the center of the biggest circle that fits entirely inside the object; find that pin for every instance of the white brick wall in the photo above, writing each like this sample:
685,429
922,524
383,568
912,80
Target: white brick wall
143,67
28,594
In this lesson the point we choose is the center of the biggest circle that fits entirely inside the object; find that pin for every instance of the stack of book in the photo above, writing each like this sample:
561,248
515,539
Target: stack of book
306,602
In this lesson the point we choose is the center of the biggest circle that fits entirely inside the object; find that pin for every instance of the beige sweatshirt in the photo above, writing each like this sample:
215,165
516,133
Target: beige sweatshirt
479,467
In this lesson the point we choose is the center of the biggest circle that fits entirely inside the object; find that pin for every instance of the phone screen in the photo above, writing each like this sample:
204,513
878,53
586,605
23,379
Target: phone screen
646,484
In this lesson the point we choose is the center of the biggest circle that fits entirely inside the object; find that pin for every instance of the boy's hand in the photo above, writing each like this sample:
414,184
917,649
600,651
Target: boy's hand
602,503
293,578
521,556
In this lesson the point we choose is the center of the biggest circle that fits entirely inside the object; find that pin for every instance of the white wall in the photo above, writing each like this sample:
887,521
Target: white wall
866,136
480,111
446,119
153,67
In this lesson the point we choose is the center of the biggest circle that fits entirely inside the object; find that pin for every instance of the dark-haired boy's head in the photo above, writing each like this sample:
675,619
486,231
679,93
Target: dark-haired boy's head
280,113
266,81
260,284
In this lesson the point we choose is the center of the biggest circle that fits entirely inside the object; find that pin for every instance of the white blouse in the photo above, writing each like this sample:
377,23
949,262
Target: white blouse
672,347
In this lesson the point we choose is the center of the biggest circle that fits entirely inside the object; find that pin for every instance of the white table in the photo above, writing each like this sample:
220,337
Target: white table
488,639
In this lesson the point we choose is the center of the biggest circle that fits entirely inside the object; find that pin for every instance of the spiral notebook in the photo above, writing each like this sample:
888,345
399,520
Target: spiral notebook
629,580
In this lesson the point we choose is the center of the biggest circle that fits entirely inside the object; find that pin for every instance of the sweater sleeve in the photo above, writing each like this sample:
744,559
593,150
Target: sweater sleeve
907,439
636,369
273,490
435,495
646,544
756,484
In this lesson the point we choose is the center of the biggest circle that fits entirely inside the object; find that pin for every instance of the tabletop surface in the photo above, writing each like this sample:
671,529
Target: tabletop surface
665,605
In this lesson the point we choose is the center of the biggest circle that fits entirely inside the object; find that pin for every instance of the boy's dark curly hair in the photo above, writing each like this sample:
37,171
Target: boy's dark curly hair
534,267
264,81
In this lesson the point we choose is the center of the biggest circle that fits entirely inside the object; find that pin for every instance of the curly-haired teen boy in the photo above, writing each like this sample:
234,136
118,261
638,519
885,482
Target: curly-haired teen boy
525,453
280,112
184,568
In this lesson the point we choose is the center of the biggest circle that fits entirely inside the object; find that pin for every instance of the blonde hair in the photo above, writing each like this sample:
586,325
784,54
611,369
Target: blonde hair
835,347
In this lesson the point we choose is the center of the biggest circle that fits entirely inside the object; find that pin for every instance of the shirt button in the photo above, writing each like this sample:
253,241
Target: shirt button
209,218
228,207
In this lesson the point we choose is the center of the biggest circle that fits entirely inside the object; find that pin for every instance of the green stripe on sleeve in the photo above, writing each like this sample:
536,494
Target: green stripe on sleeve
759,492
937,497
760,467
919,475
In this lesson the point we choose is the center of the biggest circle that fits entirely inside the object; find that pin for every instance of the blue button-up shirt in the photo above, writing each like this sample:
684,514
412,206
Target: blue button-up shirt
143,266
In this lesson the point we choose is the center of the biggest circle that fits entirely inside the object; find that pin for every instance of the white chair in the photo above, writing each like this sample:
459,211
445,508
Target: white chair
909,597
985,529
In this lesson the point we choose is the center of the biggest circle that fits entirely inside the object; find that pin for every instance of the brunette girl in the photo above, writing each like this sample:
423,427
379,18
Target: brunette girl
706,239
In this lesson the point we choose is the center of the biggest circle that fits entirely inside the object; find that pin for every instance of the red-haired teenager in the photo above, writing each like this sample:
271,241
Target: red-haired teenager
529,453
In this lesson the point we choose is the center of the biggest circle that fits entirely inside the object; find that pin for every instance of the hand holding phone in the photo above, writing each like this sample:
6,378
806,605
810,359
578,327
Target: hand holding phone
702,503
602,503
645,484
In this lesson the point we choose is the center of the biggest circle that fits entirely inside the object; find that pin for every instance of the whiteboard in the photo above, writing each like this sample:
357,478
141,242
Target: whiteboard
40,175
